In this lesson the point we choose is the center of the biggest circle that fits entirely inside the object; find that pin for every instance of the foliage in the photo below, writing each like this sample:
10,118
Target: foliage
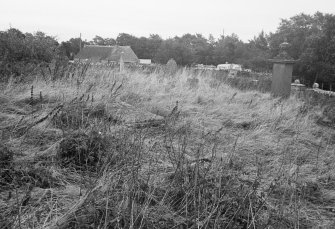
71,47
16,46
311,39
312,42
97,40
18,50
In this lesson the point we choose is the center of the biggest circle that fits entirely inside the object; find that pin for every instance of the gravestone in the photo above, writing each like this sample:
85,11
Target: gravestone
121,63
282,72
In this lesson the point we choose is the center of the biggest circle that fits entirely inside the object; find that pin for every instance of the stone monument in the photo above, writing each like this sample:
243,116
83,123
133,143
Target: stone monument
282,72
121,63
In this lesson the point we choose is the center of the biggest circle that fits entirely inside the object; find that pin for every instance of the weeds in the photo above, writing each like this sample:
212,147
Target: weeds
101,149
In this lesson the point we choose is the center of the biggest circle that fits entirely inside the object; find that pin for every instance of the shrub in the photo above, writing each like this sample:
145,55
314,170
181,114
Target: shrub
77,115
80,149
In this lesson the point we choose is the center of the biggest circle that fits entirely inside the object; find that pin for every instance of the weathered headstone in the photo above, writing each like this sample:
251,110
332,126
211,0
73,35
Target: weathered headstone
282,72
171,67
121,63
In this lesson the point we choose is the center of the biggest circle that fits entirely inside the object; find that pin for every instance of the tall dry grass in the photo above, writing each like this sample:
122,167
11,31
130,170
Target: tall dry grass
99,149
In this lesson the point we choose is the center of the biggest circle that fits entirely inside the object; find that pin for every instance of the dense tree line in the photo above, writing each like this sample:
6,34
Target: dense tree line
21,52
16,46
311,38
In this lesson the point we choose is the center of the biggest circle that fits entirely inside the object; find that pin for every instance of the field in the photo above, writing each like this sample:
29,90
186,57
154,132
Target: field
101,149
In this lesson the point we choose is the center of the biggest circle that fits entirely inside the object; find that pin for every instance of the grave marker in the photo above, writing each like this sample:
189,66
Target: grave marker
282,72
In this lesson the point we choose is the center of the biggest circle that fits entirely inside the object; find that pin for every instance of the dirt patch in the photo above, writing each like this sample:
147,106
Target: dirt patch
245,125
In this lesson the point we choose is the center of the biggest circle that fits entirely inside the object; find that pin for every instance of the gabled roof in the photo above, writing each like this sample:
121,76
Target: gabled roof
108,53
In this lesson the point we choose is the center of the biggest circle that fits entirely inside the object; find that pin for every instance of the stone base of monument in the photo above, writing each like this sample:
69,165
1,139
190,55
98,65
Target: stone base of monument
298,89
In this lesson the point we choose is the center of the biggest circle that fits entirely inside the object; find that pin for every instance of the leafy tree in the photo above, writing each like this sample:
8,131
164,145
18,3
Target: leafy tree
41,47
166,51
228,49
296,30
12,47
16,46
97,40
311,38
141,48
18,51
71,47
260,42
175,48
318,58
154,41
125,39
256,54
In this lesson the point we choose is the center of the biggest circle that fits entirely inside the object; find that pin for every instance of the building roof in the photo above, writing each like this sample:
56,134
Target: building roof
108,53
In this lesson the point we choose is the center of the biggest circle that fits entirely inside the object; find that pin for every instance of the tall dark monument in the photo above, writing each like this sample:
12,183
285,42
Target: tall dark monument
282,72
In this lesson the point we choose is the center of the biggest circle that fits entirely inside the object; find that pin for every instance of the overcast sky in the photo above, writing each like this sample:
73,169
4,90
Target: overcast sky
66,19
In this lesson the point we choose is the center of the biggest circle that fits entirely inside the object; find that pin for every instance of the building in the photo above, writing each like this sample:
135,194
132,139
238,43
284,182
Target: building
229,67
98,53
145,61
204,67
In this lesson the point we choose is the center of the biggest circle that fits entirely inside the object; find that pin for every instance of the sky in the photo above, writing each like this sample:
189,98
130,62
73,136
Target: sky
67,19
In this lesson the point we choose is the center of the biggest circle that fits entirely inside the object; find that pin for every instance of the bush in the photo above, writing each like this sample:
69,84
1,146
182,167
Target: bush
80,149
20,53
78,115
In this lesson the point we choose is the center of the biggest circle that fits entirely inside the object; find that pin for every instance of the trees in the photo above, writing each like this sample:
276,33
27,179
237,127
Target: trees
71,47
318,57
297,31
97,40
176,48
18,50
257,54
311,38
125,39
16,46
12,46
228,49
41,48
153,43
167,50
312,42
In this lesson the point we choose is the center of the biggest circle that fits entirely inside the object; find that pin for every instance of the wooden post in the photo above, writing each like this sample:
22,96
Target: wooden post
121,63
32,95
80,42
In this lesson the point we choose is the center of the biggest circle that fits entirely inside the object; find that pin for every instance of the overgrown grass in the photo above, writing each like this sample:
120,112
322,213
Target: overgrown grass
100,149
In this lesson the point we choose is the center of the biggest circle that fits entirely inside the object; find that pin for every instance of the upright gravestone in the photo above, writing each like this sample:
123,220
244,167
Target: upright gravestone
121,63
282,72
